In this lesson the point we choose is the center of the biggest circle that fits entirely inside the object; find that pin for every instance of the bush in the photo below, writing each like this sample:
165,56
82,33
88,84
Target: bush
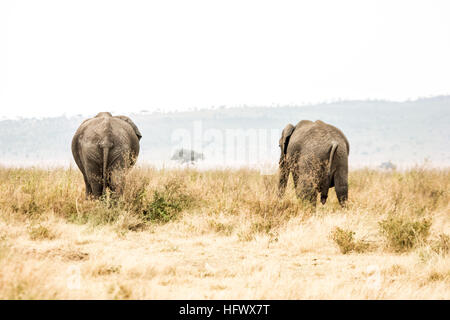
403,233
168,202
346,242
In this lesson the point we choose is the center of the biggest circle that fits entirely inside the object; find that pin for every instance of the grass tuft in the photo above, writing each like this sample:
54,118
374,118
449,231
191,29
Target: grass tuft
346,241
41,232
404,233
441,245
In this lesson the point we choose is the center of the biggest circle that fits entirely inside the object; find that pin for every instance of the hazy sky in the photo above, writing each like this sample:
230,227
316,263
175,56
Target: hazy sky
87,56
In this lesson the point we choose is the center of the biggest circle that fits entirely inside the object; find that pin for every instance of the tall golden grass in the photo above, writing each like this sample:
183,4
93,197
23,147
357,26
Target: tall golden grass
223,234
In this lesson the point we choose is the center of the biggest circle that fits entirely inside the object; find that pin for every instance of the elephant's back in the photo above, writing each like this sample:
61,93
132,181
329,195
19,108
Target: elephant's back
307,131
96,129
122,128
93,134
125,135
316,138
338,135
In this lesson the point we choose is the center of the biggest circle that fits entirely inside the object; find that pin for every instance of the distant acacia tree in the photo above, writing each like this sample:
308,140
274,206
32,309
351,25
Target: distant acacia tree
187,156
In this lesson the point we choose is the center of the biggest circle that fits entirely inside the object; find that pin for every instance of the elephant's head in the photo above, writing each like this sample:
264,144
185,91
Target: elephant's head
284,168
131,123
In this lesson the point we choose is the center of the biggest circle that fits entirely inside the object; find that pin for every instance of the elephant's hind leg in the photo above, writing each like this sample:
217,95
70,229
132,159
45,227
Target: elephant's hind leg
324,187
306,191
295,178
88,186
94,180
97,188
323,197
310,196
118,181
341,186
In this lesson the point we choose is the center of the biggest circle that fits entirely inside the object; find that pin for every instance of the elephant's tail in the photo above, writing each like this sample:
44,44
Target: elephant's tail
105,145
327,183
330,160
105,164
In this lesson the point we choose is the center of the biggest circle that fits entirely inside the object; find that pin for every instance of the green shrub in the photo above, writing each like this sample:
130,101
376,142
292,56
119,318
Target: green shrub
346,242
168,202
403,233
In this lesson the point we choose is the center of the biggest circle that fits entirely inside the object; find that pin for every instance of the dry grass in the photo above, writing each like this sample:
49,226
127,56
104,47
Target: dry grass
223,234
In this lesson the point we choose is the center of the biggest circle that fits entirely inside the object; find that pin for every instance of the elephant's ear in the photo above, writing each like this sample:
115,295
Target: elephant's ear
286,135
131,123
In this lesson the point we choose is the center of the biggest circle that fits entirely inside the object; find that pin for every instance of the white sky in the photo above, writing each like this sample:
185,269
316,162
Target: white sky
75,57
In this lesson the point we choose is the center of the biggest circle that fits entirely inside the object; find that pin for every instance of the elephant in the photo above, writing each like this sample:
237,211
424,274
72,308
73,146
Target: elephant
104,147
317,155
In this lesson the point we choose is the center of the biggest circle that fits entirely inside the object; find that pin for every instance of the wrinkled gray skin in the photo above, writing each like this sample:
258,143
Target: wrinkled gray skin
317,155
103,148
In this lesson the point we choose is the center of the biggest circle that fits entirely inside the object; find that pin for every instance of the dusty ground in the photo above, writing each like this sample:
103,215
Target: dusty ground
220,246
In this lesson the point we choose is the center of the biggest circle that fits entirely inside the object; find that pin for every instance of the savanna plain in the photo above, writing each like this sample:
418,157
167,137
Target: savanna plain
223,234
